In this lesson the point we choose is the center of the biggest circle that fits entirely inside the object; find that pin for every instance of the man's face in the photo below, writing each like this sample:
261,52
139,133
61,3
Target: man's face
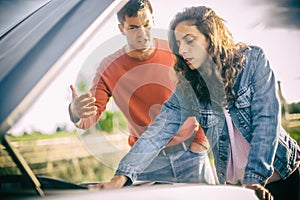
138,30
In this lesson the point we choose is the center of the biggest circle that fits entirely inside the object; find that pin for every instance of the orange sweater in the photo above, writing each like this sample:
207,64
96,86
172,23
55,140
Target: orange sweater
139,88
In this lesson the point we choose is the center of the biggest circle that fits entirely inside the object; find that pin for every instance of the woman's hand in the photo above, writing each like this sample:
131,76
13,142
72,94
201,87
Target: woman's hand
261,192
118,181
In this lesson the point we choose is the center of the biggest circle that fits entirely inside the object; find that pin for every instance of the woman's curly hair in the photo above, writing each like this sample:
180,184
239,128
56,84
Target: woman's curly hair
227,56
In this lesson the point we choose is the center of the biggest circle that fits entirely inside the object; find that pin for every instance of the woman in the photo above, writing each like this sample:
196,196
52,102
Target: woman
230,88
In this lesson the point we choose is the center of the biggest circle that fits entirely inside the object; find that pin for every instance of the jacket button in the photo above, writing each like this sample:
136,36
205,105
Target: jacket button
223,158
223,137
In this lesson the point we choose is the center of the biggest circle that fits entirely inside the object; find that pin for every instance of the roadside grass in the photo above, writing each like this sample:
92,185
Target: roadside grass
295,133
39,136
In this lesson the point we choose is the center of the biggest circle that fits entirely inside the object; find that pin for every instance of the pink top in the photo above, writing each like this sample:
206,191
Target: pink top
238,158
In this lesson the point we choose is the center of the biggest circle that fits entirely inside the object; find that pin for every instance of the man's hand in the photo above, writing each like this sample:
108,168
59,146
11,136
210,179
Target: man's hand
82,106
261,192
118,181
197,148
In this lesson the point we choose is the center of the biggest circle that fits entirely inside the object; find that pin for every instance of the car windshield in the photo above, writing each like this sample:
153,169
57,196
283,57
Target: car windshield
50,142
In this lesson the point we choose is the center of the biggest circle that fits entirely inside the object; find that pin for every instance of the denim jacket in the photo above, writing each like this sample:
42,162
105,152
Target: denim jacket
254,112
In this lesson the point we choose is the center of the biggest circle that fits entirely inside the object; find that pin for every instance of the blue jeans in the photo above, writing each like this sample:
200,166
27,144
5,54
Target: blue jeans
180,167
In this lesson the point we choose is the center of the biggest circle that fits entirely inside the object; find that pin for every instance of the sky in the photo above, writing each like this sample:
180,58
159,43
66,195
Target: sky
270,24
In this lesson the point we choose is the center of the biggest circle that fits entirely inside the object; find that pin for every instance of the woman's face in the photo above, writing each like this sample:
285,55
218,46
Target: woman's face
192,44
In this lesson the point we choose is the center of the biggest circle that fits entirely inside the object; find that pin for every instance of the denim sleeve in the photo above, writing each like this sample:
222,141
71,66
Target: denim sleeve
153,140
265,123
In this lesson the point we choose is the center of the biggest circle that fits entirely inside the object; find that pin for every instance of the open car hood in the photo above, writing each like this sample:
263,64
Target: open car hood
33,38
35,41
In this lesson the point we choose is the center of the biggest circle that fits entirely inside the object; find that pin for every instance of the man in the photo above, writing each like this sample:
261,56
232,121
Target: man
138,78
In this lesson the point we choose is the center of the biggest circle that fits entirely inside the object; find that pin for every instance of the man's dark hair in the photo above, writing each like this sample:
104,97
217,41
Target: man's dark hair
132,7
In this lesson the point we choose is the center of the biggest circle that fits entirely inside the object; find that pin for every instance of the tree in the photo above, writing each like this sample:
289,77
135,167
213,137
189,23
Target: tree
294,108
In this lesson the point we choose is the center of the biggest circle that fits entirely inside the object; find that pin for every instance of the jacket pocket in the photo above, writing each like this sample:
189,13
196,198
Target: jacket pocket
206,118
243,110
243,98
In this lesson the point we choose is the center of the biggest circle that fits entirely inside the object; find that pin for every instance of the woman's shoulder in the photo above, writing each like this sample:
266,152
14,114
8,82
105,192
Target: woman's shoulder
253,51
256,60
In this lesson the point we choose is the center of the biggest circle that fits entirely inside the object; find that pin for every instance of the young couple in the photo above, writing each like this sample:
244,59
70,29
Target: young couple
228,88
